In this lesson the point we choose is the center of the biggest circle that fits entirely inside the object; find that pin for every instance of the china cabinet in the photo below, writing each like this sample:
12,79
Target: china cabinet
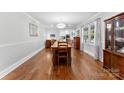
114,45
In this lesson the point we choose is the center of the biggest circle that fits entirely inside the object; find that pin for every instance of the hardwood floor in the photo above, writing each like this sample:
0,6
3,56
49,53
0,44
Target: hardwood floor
40,67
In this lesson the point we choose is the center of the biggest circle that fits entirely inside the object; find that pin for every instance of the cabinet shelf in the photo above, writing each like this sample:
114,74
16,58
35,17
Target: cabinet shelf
119,28
120,40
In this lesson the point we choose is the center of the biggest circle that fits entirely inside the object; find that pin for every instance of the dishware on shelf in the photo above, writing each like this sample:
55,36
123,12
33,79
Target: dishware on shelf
121,50
119,39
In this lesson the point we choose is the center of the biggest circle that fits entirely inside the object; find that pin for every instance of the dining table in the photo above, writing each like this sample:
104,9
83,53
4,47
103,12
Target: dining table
54,49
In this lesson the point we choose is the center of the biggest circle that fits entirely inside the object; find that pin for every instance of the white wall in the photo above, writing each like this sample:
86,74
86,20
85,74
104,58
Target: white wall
15,42
57,32
67,31
102,16
51,31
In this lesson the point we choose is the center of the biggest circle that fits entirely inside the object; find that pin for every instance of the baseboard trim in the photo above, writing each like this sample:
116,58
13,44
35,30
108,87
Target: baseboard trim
89,53
17,64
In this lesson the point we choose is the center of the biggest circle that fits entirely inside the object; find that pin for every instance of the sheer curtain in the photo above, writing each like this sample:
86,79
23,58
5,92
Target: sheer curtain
98,44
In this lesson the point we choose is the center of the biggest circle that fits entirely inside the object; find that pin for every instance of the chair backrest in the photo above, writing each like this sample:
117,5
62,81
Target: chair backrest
62,46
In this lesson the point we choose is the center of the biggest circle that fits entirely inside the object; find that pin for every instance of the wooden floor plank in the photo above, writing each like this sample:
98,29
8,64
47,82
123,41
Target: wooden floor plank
40,67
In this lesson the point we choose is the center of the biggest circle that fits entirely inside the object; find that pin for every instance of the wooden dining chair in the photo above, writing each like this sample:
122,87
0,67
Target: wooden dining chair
62,51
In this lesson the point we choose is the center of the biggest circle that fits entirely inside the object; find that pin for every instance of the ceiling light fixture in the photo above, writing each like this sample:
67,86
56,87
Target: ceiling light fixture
61,25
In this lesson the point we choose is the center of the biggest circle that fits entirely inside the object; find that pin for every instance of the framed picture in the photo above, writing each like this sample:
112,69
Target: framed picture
33,30
52,36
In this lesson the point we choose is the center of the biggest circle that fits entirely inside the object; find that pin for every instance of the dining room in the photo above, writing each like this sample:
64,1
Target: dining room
59,46
71,46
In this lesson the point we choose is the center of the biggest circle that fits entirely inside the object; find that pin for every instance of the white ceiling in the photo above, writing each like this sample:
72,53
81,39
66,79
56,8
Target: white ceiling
69,18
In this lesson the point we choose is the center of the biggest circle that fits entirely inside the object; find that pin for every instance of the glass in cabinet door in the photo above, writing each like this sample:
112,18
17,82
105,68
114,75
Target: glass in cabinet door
108,36
119,36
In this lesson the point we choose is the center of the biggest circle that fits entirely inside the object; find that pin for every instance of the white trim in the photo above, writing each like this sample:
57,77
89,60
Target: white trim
89,53
17,64
92,18
31,17
17,43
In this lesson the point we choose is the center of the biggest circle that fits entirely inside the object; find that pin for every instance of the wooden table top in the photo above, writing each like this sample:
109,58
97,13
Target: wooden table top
55,45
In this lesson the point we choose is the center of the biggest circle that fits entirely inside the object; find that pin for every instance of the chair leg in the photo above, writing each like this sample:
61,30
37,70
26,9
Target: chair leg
67,60
58,62
58,67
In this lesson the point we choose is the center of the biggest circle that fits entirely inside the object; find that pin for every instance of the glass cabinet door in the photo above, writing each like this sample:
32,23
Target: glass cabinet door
119,36
108,36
